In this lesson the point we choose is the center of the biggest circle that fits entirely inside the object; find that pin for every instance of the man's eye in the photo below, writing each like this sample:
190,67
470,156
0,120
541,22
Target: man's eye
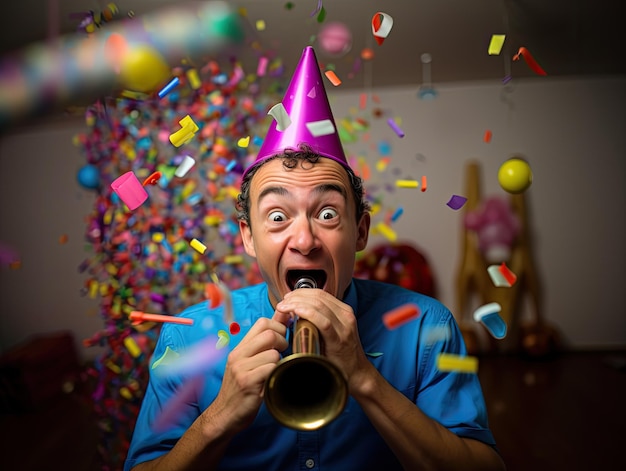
276,216
328,213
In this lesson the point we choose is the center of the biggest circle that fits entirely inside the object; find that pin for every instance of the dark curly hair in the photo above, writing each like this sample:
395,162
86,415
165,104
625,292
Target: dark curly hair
307,158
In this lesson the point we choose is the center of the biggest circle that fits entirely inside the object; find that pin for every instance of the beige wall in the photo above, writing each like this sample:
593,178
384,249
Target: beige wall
571,131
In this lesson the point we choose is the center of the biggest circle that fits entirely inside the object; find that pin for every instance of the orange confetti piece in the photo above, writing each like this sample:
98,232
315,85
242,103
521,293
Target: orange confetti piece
332,76
139,316
424,183
400,315
152,179
213,294
530,60
487,136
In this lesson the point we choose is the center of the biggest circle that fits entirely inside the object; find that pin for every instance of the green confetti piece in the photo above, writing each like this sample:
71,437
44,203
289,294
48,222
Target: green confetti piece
374,354
167,358
321,16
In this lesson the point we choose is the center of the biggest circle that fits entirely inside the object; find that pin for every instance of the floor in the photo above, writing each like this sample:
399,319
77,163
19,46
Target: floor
563,413
566,413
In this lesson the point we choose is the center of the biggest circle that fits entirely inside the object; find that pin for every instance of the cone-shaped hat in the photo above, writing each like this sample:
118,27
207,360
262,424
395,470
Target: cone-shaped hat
311,119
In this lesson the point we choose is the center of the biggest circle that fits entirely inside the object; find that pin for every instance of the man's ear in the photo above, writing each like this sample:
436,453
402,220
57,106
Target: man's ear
363,229
246,237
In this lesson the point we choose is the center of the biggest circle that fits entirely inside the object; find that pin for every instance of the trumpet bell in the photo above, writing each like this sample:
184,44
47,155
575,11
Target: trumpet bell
305,392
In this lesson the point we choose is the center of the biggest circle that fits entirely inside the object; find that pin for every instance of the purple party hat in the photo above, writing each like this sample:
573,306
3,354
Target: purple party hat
304,117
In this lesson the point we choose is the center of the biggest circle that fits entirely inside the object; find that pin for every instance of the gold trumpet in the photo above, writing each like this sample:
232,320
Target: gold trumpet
305,391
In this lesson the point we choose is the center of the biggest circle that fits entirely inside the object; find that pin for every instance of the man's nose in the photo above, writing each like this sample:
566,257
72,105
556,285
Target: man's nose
303,238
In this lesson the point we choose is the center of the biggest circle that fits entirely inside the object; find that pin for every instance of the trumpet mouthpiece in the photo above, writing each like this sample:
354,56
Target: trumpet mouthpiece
305,282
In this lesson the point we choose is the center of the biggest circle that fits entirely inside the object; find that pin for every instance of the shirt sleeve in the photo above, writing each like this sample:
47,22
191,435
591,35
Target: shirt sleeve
453,399
168,409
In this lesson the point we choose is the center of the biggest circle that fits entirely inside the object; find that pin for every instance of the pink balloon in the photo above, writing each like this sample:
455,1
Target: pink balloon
335,38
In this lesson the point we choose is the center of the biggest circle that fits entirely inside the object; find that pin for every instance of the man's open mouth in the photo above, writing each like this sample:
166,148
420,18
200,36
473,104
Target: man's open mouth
294,275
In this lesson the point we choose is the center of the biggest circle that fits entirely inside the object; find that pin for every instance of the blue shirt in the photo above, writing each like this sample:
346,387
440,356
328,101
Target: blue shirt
405,356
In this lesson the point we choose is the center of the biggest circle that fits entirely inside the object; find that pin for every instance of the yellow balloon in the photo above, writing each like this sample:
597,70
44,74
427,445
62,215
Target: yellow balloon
143,69
515,176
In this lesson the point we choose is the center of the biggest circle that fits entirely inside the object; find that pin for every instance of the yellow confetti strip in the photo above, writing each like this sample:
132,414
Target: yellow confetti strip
233,259
194,79
495,46
132,347
113,367
407,183
260,25
461,364
197,245
387,232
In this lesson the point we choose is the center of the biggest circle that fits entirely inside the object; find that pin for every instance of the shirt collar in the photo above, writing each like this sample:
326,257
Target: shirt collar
350,298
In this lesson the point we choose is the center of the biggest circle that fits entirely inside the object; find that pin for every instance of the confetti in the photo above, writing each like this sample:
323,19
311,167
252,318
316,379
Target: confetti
407,183
196,359
139,316
507,274
424,183
324,127
222,339
400,315
381,26
496,43
396,215
530,60
456,202
186,165
198,246
501,276
488,315
332,76
278,112
168,357
244,142
143,260
194,79
213,294
262,66
132,347
457,363
387,232
186,133
169,87
130,190
234,328
153,179
487,136
392,124
363,101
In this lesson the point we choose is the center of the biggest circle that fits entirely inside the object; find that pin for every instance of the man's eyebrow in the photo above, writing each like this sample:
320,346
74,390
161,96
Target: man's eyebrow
276,190
328,187
320,189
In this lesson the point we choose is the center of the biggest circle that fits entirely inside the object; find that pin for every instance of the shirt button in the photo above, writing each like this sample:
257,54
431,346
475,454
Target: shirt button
309,463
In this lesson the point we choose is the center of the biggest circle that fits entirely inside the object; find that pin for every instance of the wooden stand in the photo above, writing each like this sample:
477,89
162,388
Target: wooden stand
532,336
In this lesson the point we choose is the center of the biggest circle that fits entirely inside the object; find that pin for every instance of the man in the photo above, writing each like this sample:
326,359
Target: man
302,212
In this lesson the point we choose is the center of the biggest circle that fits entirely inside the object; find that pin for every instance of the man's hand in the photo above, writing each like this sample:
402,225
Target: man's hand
247,368
337,325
